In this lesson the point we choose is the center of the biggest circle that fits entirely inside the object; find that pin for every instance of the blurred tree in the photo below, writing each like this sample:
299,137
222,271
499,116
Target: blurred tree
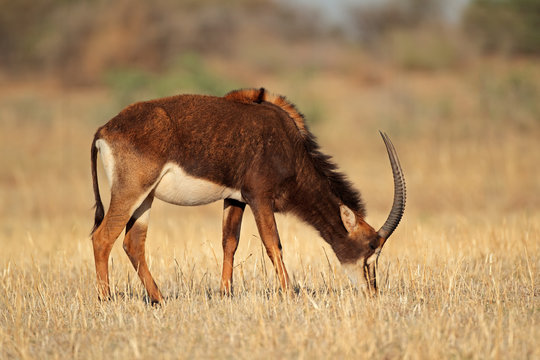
511,26
21,22
371,22
412,34
80,40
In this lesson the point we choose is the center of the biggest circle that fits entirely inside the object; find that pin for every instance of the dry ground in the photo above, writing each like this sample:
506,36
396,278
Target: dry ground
459,277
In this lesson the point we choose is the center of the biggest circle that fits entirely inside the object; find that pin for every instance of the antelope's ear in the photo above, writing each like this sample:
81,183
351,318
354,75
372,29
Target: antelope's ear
349,218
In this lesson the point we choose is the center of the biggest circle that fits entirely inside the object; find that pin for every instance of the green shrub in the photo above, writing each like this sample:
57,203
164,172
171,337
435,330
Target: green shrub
188,74
426,48
511,98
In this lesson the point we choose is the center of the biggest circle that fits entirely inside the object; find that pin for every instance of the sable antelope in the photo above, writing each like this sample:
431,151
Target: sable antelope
248,147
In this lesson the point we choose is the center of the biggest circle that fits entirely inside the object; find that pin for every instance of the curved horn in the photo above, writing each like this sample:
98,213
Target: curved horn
398,206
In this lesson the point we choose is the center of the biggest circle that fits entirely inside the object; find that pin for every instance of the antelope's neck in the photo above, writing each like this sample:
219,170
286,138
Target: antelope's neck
320,208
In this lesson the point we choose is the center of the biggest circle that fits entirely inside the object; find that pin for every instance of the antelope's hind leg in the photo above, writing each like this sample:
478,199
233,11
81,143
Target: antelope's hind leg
104,237
232,222
134,241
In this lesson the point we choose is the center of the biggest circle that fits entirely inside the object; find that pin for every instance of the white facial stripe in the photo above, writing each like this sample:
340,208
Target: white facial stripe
107,159
373,257
177,187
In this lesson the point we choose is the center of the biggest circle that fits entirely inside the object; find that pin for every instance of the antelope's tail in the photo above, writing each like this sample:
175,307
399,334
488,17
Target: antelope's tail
100,211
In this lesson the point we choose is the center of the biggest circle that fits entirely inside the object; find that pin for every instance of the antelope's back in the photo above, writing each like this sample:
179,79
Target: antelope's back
210,137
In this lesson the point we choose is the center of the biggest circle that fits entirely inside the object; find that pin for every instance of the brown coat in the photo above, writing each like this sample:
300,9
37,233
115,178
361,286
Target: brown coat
250,141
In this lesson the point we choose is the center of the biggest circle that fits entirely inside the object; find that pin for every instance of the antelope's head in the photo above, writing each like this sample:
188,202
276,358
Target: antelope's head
363,268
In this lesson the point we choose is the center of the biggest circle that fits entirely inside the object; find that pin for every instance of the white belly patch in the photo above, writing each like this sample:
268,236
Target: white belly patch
179,188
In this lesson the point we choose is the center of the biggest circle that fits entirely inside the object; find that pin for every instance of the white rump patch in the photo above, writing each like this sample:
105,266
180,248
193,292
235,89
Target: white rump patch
107,159
179,188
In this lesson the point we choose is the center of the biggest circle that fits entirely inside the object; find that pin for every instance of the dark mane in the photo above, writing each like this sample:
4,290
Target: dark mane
340,186
258,96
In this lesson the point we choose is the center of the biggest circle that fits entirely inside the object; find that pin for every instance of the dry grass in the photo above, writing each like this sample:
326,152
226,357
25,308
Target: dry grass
459,277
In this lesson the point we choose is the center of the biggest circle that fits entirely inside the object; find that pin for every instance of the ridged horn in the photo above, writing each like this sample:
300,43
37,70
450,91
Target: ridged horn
400,192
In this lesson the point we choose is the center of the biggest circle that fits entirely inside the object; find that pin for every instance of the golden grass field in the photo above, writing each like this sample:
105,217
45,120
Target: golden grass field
459,278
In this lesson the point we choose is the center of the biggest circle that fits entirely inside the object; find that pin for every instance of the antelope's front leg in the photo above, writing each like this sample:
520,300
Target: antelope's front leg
266,224
232,222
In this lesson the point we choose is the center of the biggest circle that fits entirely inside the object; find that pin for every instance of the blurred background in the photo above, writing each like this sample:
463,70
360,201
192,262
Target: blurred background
455,84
